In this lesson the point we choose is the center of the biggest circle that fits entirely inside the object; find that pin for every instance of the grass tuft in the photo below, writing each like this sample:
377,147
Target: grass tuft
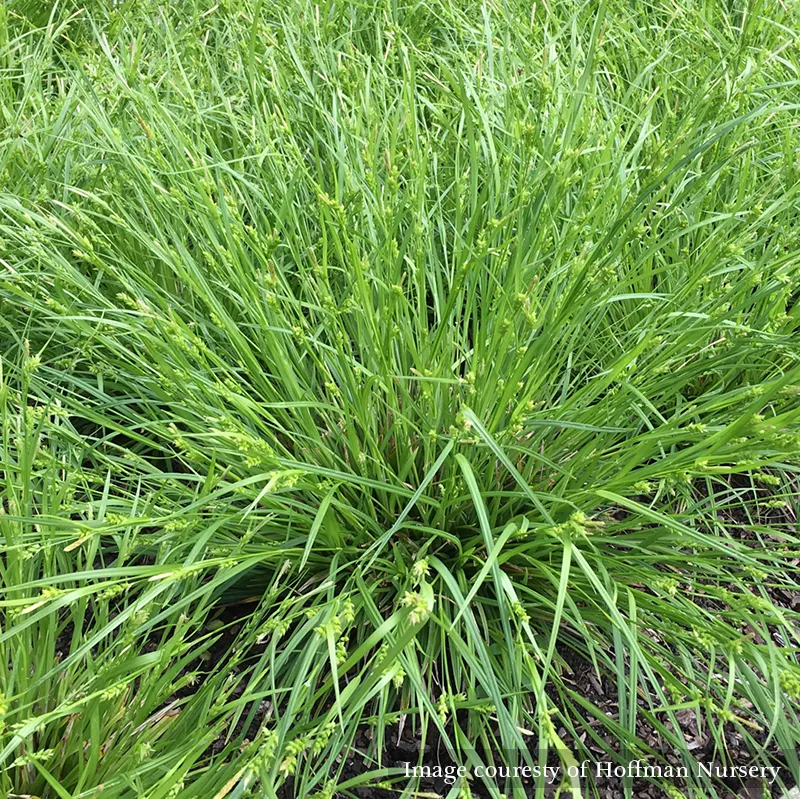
379,367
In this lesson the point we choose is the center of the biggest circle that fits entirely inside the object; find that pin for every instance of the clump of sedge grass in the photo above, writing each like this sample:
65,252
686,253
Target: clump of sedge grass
456,345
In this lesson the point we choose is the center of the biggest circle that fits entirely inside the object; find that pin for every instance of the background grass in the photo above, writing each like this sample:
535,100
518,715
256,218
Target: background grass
379,366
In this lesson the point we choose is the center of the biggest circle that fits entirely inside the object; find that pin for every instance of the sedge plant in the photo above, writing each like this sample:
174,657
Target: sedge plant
385,367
